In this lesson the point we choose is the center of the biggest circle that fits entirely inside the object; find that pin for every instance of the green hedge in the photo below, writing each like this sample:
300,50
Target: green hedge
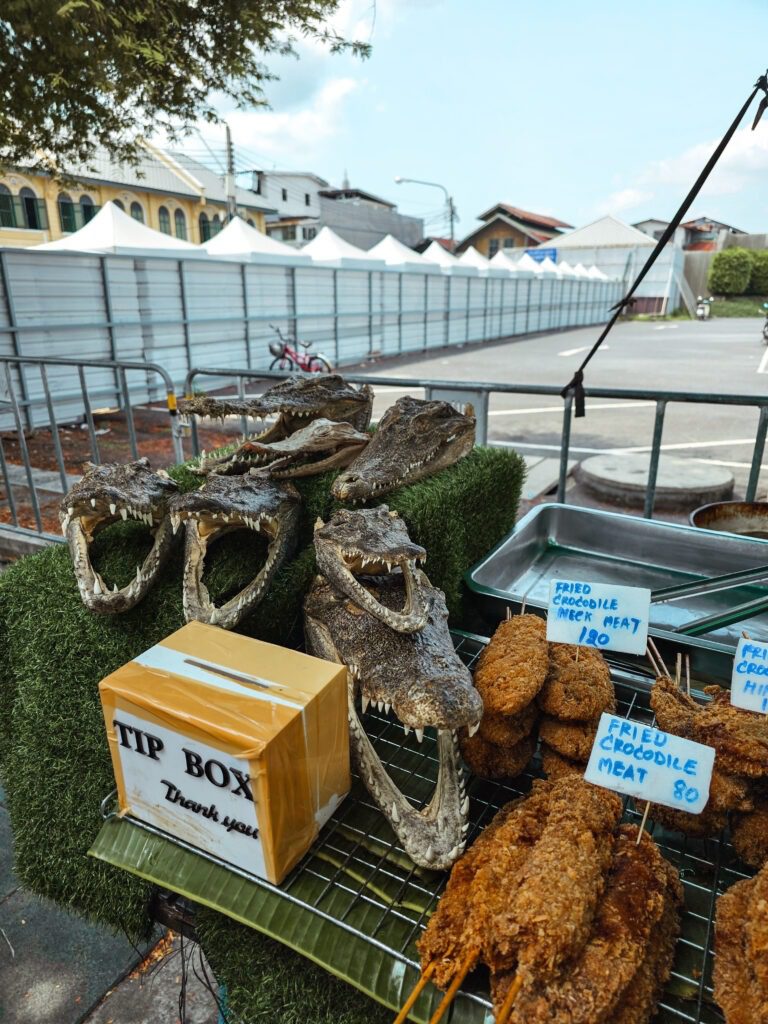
758,281
730,271
53,752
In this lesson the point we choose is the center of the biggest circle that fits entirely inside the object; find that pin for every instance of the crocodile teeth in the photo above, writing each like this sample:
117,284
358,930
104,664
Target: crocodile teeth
387,708
465,828
112,509
380,705
366,702
454,852
406,729
123,514
138,574
114,588
472,729
93,503
96,586
420,737
465,805
430,854
395,813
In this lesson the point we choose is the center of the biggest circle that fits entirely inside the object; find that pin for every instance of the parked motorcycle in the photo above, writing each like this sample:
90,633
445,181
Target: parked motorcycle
702,308
765,325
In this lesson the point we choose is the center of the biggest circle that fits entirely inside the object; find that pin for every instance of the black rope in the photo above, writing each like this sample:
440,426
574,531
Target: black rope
576,385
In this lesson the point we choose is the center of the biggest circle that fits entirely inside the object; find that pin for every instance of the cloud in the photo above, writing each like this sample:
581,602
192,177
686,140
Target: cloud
624,199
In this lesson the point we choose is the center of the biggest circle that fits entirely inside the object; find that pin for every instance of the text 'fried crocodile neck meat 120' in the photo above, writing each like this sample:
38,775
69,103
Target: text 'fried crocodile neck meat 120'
292,403
313,449
221,506
423,681
373,542
415,439
109,494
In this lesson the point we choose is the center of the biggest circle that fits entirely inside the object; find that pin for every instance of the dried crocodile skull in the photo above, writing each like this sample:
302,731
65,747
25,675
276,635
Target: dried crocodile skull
414,439
224,504
373,542
422,680
313,449
109,494
292,404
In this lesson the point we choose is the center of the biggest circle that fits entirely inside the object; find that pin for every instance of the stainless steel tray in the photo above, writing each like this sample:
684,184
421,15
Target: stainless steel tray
568,542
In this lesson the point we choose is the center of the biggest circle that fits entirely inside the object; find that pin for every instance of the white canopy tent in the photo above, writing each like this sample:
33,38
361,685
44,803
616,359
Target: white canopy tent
565,269
502,262
548,266
328,247
527,262
240,240
580,270
395,254
597,274
113,231
472,258
436,253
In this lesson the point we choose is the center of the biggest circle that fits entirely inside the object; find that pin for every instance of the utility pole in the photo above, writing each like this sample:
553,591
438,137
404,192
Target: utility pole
230,179
449,203
452,219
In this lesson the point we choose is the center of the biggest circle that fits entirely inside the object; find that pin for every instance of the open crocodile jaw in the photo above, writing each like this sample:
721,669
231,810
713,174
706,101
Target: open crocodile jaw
79,525
349,563
202,529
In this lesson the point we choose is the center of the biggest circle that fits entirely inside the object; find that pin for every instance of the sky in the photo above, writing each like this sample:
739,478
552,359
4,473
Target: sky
572,110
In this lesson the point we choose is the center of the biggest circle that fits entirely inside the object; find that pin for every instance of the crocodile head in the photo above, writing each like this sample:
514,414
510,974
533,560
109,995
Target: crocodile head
315,448
291,404
252,503
414,439
372,542
418,677
109,494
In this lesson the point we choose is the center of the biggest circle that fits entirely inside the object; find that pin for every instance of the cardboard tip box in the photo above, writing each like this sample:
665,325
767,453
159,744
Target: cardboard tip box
237,747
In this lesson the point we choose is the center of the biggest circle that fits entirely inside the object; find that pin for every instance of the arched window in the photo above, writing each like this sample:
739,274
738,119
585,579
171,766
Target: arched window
66,212
87,208
215,225
164,219
30,205
7,212
250,222
137,213
181,224
205,227
119,205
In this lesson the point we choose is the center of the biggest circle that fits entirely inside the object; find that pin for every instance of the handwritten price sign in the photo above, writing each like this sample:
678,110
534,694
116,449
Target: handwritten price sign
749,681
598,615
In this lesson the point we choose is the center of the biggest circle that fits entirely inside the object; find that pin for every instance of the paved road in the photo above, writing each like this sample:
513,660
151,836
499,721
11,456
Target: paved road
724,356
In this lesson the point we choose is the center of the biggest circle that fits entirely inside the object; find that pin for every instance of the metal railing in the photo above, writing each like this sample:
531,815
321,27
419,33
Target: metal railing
25,384
478,392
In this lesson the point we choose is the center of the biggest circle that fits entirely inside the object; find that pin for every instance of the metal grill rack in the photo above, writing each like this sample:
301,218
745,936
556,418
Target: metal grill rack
357,875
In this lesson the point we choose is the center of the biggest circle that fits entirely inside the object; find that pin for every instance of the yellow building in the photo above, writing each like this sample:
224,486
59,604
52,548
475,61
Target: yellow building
508,227
169,192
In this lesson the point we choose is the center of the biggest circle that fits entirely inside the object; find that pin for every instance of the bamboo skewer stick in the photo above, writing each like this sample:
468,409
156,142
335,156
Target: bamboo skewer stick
688,674
415,993
678,669
642,823
453,988
506,1006
658,657
652,660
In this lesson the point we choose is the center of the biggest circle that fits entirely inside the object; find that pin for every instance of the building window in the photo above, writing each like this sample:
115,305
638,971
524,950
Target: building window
493,246
509,243
205,227
250,223
181,224
289,233
137,213
308,233
284,192
119,205
7,217
30,205
164,220
66,213
87,209
307,199
216,225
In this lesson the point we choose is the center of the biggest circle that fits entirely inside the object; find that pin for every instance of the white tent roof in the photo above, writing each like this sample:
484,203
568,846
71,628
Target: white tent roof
607,231
527,262
565,269
437,254
580,270
502,262
472,258
597,273
327,246
394,253
548,266
111,230
240,239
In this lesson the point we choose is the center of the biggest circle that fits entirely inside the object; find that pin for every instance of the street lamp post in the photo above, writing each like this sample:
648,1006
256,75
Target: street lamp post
452,215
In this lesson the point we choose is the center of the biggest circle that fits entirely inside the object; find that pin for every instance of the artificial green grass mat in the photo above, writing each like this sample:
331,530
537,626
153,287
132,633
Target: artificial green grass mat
53,750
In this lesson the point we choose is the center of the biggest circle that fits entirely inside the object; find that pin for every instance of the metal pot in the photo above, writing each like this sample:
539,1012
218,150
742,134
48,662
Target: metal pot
747,518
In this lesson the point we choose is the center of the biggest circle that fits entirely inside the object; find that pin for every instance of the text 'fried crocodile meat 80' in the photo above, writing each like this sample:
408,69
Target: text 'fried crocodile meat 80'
292,404
415,439
222,505
109,494
319,446
423,681
373,542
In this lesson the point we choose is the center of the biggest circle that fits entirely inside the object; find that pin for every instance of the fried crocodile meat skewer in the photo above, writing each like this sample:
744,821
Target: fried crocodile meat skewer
513,667
588,988
737,991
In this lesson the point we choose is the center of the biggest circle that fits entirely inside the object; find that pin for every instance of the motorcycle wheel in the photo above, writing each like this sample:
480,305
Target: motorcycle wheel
281,363
319,364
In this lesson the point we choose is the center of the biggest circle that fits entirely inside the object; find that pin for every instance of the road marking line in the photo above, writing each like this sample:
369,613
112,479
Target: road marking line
559,408
574,351
763,367
639,450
